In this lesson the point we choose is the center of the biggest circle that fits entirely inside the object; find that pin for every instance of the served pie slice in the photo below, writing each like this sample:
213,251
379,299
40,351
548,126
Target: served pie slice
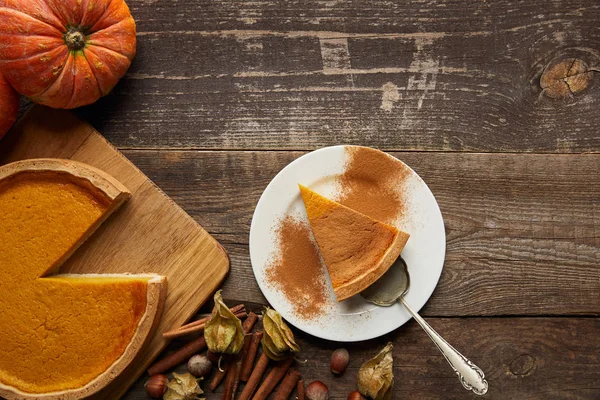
64,336
357,249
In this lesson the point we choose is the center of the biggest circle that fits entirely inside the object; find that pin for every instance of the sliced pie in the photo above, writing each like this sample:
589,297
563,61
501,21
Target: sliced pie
357,249
64,336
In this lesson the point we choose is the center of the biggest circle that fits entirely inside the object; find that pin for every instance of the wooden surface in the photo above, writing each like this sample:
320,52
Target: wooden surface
148,234
403,74
522,230
223,93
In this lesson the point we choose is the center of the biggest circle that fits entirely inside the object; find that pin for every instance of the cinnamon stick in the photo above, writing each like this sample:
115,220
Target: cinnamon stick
255,377
232,380
245,348
213,357
218,378
234,309
195,326
249,322
228,386
274,377
300,390
287,385
250,356
234,368
181,355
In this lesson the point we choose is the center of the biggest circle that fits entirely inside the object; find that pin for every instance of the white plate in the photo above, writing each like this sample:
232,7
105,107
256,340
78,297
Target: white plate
353,319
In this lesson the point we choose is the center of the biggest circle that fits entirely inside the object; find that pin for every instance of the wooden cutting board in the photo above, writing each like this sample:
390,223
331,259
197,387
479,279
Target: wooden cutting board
150,233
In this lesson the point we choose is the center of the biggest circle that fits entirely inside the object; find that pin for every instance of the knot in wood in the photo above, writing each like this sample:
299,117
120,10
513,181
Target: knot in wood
522,365
565,78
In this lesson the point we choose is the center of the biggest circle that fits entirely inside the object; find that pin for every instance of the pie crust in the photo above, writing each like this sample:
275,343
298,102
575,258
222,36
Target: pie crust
71,185
357,249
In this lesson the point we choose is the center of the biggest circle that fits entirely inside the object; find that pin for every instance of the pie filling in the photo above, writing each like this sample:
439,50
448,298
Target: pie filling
356,249
58,332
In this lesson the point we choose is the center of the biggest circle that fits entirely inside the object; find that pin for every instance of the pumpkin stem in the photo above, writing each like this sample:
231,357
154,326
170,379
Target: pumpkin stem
75,39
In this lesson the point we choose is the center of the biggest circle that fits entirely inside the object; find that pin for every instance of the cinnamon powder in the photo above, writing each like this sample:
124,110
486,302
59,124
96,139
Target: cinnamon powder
297,270
370,183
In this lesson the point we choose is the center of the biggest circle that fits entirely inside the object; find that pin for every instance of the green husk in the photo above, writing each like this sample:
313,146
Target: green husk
223,332
376,376
278,340
183,387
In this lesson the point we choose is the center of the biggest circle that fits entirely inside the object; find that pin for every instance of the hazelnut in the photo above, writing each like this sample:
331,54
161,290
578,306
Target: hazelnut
199,365
355,396
339,361
156,386
317,391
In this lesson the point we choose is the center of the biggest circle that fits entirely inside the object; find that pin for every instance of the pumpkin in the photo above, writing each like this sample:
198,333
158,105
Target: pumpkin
9,106
65,53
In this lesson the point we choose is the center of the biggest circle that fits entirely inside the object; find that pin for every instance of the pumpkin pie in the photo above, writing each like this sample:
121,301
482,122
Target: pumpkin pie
64,336
357,249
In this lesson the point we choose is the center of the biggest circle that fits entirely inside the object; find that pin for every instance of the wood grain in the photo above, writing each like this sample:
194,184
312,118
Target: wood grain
523,358
148,234
522,230
405,75
435,76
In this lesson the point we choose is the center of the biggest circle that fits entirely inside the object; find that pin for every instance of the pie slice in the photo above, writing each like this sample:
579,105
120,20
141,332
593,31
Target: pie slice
64,336
357,249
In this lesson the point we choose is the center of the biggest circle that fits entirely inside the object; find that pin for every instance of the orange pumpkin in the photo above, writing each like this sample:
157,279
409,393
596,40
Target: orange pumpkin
65,53
9,106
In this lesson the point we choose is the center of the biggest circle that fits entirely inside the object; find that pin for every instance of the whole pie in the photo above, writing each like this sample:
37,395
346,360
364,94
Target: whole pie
64,336
357,249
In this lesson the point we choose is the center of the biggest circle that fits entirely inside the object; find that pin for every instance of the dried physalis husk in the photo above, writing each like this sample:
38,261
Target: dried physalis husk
278,340
183,387
376,376
223,332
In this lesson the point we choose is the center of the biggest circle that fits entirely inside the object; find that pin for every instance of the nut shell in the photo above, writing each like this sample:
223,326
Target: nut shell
355,396
317,390
339,361
156,386
199,365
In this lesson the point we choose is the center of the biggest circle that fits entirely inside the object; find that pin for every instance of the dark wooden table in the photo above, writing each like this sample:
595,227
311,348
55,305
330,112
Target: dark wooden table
225,93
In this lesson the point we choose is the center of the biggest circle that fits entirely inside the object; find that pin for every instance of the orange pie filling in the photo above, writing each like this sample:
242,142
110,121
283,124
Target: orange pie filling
356,249
59,332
